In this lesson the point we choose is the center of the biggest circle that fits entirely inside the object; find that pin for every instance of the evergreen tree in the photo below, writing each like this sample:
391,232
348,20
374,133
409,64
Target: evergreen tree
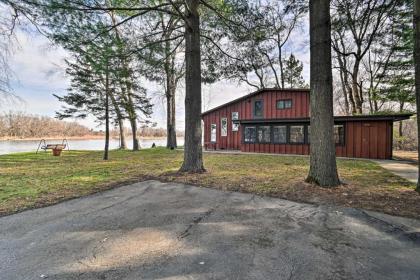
400,74
293,73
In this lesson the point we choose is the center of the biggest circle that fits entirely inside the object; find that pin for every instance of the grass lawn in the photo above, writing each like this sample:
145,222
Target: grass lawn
28,180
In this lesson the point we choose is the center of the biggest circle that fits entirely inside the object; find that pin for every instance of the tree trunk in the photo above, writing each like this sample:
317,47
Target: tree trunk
355,88
417,73
193,153
400,124
133,123
323,166
344,89
170,96
170,119
106,115
280,61
123,143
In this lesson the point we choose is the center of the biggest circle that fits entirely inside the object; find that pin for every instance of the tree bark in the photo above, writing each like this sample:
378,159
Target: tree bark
193,153
355,87
400,124
133,123
417,72
170,119
106,115
123,142
323,166
170,97
120,119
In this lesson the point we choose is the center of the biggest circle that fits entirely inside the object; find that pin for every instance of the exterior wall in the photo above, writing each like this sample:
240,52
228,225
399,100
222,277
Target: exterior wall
363,139
367,139
233,140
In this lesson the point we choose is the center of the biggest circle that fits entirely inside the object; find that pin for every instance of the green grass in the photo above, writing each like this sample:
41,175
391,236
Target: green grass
30,180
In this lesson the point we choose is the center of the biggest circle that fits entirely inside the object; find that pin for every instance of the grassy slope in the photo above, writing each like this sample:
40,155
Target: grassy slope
29,180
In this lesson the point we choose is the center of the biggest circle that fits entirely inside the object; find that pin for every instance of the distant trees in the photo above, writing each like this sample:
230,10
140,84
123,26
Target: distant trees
21,125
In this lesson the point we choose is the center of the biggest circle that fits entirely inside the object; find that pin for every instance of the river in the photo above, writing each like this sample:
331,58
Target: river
9,147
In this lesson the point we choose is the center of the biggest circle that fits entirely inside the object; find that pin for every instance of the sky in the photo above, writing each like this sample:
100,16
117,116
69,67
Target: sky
39,72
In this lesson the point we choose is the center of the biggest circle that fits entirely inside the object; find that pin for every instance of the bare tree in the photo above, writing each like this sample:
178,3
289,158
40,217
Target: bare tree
357,24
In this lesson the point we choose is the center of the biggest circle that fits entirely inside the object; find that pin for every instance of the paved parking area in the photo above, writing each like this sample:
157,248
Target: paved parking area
154,230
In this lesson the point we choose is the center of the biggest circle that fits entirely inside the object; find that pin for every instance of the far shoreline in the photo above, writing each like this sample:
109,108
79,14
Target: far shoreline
87,137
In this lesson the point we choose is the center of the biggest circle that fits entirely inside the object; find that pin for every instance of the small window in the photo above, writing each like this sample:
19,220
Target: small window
280,134
264,134
284,104
223,127
339,134
250,133
258,108
235,117
297,134
213,131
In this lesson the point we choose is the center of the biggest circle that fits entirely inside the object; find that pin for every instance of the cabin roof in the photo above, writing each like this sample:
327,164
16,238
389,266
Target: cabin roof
390,117
253,94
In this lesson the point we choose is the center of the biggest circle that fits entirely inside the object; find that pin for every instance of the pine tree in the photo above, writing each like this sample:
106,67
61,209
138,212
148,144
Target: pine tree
398,83
293,73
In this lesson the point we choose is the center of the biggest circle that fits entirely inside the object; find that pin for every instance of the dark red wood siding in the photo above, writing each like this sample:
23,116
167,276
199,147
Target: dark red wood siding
300,108
363,139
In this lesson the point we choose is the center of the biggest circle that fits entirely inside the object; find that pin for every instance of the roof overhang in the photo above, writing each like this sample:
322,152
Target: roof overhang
393,118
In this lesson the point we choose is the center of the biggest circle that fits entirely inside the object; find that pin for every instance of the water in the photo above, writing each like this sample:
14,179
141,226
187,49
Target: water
9,147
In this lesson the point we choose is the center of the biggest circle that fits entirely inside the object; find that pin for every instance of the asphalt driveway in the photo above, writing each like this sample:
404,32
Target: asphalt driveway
153,230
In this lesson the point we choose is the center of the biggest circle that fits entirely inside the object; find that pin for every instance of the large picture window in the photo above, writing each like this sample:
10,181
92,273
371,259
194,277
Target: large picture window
258,108
250,134
339,134
286,134
284,104
223,127
280,134
213,131
264,134
297,134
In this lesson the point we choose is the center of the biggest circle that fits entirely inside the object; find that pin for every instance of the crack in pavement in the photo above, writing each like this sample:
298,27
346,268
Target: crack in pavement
195,221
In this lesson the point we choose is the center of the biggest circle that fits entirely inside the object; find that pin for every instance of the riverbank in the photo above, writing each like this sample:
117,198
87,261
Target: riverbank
85,137
34,180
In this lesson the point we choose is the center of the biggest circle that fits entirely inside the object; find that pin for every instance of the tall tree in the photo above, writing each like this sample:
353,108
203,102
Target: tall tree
323,166
193,155
417,73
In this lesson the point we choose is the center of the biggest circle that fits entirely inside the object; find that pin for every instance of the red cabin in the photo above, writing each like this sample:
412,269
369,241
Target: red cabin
277,121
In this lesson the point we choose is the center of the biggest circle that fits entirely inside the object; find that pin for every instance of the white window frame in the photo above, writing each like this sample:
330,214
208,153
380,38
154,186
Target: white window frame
223,127
213,133
235,116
